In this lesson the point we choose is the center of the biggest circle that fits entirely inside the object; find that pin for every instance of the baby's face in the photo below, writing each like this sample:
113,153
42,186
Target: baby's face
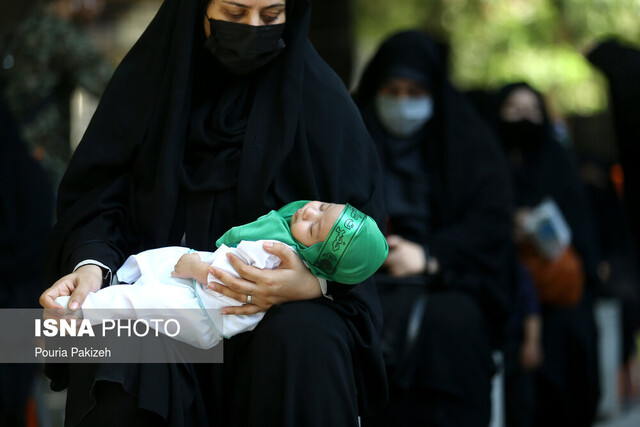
312,222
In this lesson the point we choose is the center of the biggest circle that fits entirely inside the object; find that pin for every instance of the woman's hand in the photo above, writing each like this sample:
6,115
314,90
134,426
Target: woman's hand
531,355
291,281
78,284
405,258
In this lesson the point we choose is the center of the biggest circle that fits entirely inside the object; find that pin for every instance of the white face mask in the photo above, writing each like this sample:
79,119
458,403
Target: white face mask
403,117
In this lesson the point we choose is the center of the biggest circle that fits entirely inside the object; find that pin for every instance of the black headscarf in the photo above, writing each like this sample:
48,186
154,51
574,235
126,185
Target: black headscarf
288,132
548,169
470,194
407,180
398,56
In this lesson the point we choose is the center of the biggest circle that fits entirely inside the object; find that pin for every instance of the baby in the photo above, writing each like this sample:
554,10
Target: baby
336,242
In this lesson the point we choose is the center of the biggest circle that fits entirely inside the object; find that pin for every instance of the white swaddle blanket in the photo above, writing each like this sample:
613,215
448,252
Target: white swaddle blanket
154,294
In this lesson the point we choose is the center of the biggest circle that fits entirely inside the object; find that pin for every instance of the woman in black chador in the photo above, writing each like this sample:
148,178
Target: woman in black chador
444,288
620,63
567,380
221,112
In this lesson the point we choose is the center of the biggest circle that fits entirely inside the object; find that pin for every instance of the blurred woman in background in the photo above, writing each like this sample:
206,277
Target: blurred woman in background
567,386
444,287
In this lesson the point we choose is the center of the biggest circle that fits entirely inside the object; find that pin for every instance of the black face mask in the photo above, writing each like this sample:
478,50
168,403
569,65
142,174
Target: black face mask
523,134
243,48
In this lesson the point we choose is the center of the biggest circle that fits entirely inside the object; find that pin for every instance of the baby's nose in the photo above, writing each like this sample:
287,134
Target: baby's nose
309,213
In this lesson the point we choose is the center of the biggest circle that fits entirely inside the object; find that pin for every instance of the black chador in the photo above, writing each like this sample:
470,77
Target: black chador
181,147
621,65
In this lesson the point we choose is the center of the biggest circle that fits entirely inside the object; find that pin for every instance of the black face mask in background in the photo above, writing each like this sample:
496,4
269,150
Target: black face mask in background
523,134
243,48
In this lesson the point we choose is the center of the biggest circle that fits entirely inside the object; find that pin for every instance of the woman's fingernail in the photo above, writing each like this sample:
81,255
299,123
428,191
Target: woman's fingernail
212,286
224,312
267,245
74,305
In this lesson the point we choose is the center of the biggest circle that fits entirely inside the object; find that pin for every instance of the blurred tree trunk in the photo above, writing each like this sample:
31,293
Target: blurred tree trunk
331,33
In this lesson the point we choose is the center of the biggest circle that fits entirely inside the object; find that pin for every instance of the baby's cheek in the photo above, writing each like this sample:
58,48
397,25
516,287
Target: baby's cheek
300,233
295,232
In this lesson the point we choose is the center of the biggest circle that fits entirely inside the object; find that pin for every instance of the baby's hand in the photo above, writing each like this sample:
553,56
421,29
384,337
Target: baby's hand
187,266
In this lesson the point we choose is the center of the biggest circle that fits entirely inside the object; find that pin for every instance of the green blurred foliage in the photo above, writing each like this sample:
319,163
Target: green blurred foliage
494,42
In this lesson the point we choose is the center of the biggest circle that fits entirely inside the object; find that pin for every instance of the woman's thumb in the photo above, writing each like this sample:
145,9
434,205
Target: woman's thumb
280,250
77,298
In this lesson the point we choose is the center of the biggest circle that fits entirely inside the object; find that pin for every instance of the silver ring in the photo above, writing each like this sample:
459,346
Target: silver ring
248,299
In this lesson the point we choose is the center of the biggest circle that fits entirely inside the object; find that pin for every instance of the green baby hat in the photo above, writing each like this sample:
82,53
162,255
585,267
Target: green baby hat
354,249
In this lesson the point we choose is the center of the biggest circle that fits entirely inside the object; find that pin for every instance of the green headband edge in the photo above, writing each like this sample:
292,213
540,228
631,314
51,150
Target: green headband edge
339,239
